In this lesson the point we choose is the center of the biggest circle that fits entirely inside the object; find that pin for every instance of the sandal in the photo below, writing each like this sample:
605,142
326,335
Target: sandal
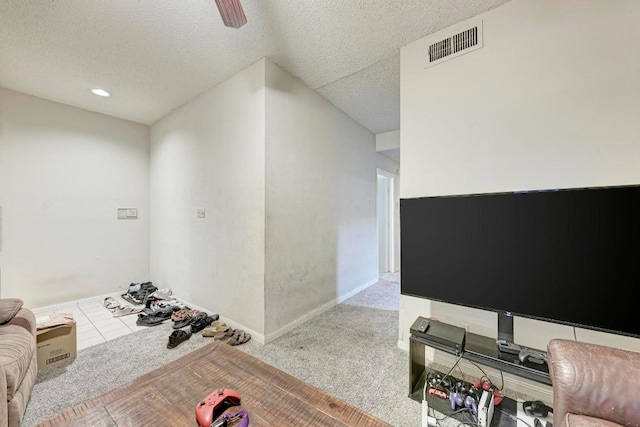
192,316
177,337
179,315
238,337
217,330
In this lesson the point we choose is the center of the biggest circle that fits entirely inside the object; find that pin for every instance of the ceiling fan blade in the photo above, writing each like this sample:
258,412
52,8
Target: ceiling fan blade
232,13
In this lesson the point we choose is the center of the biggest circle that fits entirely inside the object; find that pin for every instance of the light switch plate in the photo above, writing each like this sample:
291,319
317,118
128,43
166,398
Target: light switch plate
127,213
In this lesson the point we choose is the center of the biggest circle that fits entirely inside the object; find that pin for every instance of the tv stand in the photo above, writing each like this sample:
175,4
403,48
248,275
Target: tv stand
505,340
477,348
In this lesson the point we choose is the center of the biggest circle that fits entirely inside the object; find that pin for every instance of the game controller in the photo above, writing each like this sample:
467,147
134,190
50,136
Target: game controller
470,402
212,406
239,419
529,355
457,399
464,397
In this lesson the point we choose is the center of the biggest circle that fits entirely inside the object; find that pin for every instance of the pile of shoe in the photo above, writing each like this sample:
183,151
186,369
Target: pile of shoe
157,315
197,320
139,292
187,322
118,309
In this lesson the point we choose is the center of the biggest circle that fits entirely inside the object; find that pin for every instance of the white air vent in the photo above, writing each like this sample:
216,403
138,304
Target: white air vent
456,44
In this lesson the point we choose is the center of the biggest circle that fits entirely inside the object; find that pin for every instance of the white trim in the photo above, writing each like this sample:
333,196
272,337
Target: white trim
391,218
403,345
315,312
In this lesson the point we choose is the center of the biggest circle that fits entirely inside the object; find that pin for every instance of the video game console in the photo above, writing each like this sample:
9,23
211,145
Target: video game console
485,409
212,406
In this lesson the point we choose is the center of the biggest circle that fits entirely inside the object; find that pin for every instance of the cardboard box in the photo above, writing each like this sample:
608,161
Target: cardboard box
56,345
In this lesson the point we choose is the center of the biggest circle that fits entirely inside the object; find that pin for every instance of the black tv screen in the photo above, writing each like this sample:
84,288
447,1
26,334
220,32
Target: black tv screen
570,256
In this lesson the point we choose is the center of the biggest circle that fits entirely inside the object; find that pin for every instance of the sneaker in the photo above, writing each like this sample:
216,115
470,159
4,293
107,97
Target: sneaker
161,294
110,303
125,310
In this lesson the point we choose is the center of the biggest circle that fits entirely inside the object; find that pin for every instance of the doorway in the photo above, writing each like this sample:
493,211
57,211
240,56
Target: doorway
385,215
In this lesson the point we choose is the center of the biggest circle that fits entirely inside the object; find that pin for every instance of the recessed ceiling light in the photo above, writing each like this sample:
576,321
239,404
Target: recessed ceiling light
100,92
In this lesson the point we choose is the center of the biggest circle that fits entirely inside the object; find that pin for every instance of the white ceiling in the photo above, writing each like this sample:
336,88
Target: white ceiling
154,56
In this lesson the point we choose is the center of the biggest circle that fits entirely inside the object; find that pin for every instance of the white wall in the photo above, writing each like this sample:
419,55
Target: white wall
550,101
388,140
210,153
64,172
321,243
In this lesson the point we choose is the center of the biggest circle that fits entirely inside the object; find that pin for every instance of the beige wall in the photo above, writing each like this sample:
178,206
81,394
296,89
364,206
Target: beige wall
321,238
210,154
550,101
64,172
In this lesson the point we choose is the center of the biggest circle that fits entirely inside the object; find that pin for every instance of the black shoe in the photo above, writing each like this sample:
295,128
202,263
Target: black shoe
200,323
149,320
177,337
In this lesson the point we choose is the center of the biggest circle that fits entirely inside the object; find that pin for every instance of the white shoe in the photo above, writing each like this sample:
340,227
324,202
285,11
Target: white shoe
161,294
124,310
110,303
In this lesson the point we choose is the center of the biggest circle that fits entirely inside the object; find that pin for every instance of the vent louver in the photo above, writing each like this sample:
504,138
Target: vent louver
455,45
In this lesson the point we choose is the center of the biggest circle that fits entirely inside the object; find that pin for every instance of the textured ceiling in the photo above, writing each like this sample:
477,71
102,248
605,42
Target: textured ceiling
154,56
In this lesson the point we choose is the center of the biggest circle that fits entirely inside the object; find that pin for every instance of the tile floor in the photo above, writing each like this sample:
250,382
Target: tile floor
95,324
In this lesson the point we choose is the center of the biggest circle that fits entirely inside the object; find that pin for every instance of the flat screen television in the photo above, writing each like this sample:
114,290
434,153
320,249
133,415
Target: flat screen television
570,256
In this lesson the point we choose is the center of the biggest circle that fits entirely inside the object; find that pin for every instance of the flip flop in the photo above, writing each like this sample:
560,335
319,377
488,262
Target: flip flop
177,337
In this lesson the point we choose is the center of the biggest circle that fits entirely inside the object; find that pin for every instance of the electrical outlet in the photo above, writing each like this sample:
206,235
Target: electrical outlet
200,212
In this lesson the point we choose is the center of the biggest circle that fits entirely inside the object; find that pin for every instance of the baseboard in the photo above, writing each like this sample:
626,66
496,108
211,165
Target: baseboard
356,291
255,336
403,345
55,307
315,312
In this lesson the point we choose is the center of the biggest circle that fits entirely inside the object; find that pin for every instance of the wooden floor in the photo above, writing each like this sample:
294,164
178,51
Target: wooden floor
168,396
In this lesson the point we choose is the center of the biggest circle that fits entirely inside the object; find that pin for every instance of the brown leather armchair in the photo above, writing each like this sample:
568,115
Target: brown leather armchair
594,385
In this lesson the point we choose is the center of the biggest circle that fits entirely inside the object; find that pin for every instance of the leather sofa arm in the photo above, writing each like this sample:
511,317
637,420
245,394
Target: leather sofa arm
594,381
4,411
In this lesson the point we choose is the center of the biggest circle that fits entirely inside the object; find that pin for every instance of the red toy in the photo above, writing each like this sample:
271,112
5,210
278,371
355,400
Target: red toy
212,406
